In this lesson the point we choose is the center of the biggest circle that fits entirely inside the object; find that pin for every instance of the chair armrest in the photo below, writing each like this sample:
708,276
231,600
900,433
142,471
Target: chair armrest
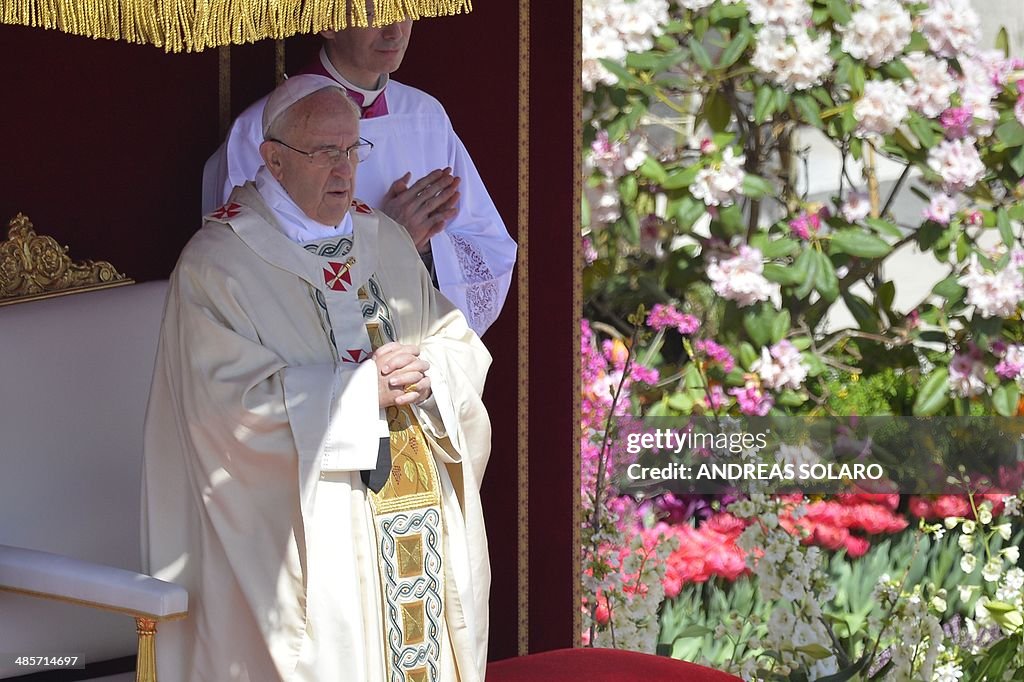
63,578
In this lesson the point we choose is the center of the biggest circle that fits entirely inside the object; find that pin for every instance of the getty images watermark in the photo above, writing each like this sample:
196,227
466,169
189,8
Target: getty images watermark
813,454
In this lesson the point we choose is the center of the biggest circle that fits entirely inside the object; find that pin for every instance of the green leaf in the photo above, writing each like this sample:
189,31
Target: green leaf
764,103
1005,398
780,325
645,61
826,281
949,289
1011,133
814,650
1003,42
693,631
690,210
653,170
1005,230
628,188
859,243
840,11
748,356
681,177
887,294
700,55
620,72
717,112
680,402
898,70
756,187
781,274
857,79
759,324
734,49
809,110
923,129
866,317
933,395
777,248
882,226
807,268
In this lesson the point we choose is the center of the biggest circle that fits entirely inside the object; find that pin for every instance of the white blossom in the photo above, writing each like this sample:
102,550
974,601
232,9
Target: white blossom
781,366
715,184
611,30
948,672
791,15
993,294
877,32
931,86
739,278
992,570
950,27
881,110
958,164
941,209
795,62
856,207
967,379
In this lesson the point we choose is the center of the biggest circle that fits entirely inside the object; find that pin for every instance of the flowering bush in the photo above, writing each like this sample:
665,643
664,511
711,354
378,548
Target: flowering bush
697,212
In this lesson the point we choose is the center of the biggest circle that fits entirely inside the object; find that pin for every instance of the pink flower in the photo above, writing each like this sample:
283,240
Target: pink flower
1018,109
805,224
941,209
1012,364
665,316
645,375
716,353
715,397
752,400
856,207
957,122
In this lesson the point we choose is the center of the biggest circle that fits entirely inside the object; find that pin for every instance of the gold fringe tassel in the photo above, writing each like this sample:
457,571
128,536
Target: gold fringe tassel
145,661
196,25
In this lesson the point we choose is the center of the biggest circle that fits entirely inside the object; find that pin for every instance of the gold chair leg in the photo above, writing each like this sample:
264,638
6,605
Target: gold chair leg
145,664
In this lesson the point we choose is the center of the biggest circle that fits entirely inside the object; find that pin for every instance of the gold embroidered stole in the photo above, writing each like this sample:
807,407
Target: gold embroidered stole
407,518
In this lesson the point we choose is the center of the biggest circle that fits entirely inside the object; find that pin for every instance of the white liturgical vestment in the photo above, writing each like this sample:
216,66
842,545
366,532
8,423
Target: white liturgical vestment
263,412
410,131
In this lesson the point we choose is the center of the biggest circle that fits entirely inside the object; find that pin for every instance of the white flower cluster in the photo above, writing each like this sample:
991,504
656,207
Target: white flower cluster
877,32
780,366
614,28
795,61
881,110
916,631
967,375
993,294
715,184
977,90
740,278
790,15
950,26
611,160
958,163
857,206
792,576
932,85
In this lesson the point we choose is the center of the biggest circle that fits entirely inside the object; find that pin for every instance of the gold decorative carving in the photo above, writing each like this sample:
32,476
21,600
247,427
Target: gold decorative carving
34,266
145,661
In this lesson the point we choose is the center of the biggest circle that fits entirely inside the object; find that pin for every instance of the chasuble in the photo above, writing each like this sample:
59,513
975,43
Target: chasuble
263,413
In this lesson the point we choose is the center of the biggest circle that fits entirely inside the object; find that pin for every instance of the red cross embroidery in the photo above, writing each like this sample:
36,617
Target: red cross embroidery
338,276
355,355
227,211
361,207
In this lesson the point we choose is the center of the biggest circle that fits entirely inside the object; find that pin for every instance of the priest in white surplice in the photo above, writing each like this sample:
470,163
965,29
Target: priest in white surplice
420,173
306,362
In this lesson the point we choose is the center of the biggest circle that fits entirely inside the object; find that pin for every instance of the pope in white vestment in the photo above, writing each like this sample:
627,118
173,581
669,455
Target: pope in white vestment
411,132
264,411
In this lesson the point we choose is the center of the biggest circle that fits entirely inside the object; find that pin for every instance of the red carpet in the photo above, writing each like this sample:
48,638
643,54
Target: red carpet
599,665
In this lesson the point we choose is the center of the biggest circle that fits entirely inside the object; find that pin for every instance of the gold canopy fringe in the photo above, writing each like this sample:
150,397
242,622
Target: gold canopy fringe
195,25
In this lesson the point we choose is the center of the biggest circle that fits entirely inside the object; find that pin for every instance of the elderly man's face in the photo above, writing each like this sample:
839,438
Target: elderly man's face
363,54
321,120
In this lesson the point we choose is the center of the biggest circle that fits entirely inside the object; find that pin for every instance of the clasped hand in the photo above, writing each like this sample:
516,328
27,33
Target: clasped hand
401,375
424,208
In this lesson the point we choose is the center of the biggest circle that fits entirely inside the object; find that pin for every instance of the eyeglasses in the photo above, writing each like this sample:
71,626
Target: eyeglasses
328,157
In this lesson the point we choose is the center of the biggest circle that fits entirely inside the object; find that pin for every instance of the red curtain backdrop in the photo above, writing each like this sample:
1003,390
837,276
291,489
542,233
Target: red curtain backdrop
104,148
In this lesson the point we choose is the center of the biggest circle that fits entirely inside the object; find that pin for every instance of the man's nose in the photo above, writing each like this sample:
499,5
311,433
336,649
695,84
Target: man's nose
345,168
392,31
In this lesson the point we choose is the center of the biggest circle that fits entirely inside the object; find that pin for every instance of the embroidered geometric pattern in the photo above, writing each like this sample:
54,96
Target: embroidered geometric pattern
227,211
482,292
414,607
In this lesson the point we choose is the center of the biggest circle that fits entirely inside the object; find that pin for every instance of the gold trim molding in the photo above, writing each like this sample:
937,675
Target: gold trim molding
35,266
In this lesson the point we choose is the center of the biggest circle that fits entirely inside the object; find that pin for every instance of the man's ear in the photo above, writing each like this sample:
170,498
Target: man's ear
271,154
